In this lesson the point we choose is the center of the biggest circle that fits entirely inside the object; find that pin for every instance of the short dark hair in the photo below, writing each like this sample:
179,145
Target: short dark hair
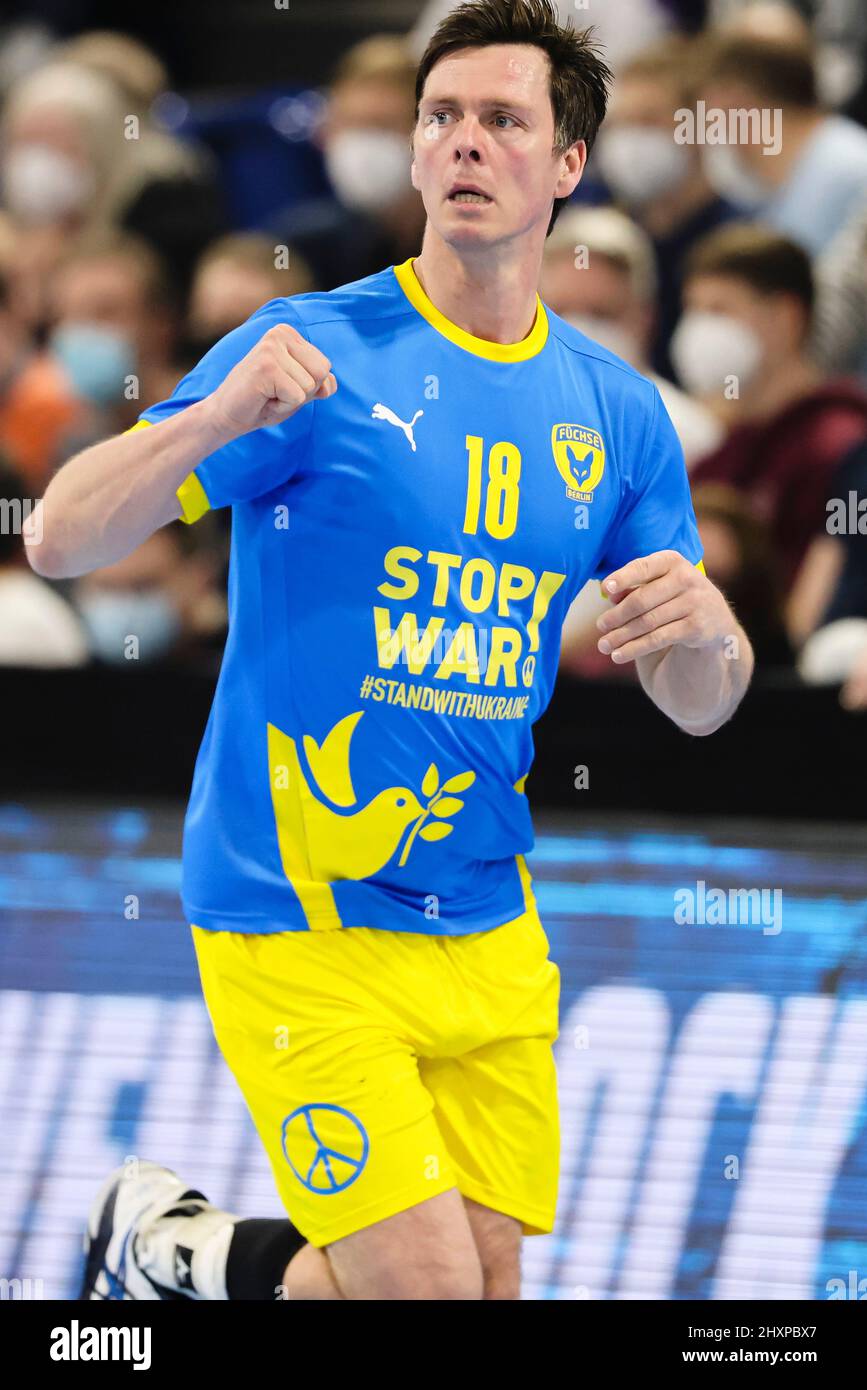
112,243
781,71
579,77
670,62
764,260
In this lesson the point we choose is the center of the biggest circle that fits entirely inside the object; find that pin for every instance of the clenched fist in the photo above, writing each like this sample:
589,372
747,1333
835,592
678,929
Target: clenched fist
282,373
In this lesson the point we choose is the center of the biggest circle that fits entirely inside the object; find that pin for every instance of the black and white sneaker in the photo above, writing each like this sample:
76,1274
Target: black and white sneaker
149,1236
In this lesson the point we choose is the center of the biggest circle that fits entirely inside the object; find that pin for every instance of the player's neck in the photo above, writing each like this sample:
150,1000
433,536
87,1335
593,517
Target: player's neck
491,298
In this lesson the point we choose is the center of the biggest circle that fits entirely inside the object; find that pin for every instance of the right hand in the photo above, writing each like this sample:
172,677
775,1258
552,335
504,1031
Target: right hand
282,373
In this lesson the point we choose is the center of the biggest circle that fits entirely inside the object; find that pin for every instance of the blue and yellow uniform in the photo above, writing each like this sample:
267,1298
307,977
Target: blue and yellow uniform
403,556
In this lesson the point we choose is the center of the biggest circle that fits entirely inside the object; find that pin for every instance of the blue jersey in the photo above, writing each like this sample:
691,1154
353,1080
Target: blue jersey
403,556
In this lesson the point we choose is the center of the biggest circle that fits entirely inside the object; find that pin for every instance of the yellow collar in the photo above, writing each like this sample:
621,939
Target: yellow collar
495,352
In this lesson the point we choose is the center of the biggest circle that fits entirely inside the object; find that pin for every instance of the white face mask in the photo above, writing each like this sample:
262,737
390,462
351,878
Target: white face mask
368,168
728,176
707,349
640,162
112,616
609,333
40,184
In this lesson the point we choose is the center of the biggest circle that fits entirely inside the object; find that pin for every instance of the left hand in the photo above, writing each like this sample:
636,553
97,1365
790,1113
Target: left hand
661,600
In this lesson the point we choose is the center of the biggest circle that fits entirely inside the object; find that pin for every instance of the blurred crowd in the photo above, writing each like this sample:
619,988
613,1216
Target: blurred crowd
733,273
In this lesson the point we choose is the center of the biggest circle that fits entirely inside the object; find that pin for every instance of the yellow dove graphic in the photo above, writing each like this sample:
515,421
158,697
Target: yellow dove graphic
316,842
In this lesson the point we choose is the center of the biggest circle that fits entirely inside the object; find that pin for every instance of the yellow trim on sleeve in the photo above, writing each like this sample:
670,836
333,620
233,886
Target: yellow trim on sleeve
495,352
191,495
193,499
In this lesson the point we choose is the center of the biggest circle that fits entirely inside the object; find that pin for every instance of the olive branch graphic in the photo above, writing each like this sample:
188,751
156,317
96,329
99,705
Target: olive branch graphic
438,805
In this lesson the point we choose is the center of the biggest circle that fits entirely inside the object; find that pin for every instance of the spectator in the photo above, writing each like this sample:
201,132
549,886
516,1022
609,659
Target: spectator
37,626
38,407
113,328
839,28
840,332
740,559
60,130
849,488
832,587
161,603
611,296
76,161
661,183
235,277
741,344
375,218
178,205
836,654
806,176
764,19
137,72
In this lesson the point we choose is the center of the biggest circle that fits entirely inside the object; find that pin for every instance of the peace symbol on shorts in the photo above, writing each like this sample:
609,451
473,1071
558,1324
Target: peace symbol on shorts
324,1165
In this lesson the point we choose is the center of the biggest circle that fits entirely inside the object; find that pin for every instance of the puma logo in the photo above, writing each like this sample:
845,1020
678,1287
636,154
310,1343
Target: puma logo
382,412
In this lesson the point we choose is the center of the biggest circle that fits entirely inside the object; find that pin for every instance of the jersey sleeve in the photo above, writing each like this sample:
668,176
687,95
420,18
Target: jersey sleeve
256,462
656,511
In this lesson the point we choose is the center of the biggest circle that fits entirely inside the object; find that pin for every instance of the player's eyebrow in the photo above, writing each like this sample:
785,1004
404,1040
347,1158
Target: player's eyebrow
493,103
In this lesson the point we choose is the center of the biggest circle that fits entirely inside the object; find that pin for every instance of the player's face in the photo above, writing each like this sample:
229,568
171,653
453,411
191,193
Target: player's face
486,119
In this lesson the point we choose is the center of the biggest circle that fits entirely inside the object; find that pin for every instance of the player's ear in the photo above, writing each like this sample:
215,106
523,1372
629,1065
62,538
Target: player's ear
571,169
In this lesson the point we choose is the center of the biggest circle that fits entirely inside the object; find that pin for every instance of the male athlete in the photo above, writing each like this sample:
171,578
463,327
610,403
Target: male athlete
424,467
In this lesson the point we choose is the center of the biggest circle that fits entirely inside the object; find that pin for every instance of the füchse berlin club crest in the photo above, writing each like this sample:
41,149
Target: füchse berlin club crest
579,454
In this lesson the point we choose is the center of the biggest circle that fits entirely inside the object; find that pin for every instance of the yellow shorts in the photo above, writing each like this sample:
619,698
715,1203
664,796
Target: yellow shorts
381,1068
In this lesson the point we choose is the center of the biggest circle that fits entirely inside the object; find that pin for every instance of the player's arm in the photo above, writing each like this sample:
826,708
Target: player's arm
693,657
108,499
